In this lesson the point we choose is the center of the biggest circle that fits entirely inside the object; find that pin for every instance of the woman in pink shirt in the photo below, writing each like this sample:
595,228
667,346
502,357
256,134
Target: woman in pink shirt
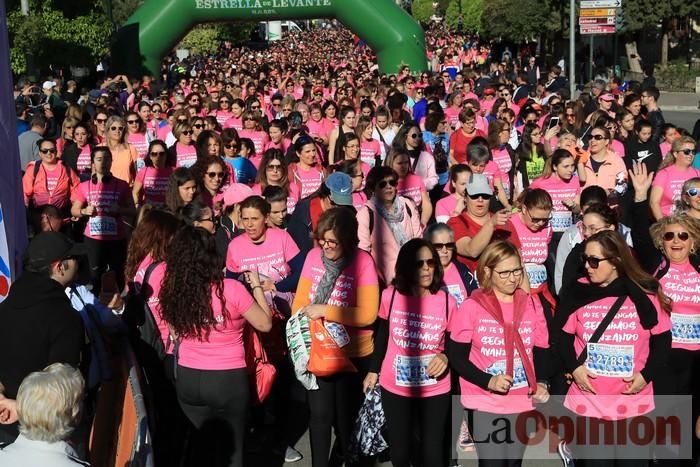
273,171
409,354
137,136
183,151
410,185
498,347
307,174
453,204
370,150
152,180
252,129
616,371
207,314
675,169
212,175
224,112
347,125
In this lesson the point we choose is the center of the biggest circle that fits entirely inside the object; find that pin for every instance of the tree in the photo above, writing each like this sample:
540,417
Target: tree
514,20
123,9
471,11
422,10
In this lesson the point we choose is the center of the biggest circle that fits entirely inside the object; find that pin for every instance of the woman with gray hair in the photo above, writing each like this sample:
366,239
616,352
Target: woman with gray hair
48,408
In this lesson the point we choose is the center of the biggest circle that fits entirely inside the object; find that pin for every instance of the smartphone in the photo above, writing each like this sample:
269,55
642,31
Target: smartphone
554,121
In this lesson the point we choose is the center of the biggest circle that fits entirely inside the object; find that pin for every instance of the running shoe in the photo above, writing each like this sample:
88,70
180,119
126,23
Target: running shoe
291,455
465,443
566,456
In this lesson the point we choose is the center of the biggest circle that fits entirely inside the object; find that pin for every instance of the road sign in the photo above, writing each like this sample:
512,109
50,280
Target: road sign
601,3
585,20
598,29
597,12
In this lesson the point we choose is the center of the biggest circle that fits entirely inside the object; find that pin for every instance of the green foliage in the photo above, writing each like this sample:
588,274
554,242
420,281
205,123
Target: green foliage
202,39
123,9
514,19
471,14
56,40
422,10
640,14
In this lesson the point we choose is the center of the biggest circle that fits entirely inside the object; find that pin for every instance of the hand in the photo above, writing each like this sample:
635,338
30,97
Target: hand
641,180
314,311
370,382
8,410
111,300
581,377
634,383
252,278
437,366
541,396
552,132
500,218
90,211
500,383
268,285
461,204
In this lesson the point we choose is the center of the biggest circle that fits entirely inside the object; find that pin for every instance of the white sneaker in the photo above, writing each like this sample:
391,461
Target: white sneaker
465,443
291,455
566,455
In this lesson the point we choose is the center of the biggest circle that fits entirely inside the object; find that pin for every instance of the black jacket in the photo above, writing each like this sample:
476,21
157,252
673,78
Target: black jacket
38,327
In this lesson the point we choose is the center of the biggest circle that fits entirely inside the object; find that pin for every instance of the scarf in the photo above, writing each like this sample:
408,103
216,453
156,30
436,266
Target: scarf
511,337
580,294
327,282
394,218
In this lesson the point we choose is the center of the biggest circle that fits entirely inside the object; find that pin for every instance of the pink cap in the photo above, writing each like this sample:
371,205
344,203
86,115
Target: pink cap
235,193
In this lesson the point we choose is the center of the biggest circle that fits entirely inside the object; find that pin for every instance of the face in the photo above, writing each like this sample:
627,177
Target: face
425,268
382,122
158,155
536,218
273,171
68,270
445,246
692,196
606,272
565,168
460,185
506,275
213,177
187,191
685,156
478,205
349,119
308,154
249,123
254,223
677,243
536,136
275,134
48,153
477,167
504,135
330,112
206,221
185,137
386,190
100,121
278,212
197,128
80,136
316,115
593,223
213,147
330,246
224,103
102,163
598,141
352,149
413,138
469,126
145,113
402,165
116,131
635,108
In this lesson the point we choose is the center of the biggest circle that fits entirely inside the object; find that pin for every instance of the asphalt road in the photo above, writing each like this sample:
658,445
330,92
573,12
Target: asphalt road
683,119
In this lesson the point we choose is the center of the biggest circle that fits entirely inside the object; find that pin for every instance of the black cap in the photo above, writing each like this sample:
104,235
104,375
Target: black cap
48,247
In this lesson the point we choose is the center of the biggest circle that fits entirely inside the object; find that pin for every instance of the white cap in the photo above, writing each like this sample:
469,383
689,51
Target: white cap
48,84
478,184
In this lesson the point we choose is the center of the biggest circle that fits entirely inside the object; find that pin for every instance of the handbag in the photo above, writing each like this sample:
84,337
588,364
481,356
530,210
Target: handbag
262,372
326,358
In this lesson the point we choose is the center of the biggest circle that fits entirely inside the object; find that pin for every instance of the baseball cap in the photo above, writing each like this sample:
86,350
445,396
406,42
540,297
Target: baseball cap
235,193
48,84
48,247
607,97
489,92
478,184
318,89
340,185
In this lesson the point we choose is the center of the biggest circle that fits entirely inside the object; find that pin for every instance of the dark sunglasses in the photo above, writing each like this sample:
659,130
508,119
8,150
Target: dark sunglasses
425,262
480,196
415,135
692,192
132,122
47,151
231,146
592,261
100,120
198,125
223,101
682,236
440,246
687,152
384,183
598,137
215,174
187,132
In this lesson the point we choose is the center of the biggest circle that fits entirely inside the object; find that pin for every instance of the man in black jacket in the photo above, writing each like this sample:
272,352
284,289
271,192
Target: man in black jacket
38,325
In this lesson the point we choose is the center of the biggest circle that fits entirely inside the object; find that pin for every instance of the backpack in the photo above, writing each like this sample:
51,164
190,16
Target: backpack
440,156
139,316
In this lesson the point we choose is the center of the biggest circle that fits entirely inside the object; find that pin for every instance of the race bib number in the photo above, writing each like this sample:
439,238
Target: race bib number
519,376
536,274
456,293
610,360
413,371
561,220
686,328
140,164
338,333
103,226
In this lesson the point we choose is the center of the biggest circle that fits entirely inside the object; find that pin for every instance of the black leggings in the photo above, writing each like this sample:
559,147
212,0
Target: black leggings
217,403
335,404
427,416
103,255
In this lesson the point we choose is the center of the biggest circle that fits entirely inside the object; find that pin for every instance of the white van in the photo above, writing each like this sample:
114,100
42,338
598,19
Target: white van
275,29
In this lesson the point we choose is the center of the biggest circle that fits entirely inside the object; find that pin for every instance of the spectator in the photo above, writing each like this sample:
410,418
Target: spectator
28,148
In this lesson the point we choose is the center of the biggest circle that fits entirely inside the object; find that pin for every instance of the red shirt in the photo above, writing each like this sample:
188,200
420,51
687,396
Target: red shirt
464,226
459,142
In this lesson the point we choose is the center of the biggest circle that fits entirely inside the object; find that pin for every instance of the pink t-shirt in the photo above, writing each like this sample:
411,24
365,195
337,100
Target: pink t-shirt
155,284
259,138
222,116
502,159
452,114
186,155
154,182
473,324
682,285
412,187
622,350
321,129
617,147
454,284
359,199
106,224
83,163
224,349
417,327
282,145
233,122
671,179
369,149
534,249
492,171
445,207
559,190
139,142
310,180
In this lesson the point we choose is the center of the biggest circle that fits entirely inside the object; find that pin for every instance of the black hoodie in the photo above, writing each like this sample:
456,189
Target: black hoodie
38,327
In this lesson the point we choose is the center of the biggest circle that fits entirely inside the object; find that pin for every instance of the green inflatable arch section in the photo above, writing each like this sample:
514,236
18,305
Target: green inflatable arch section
158,25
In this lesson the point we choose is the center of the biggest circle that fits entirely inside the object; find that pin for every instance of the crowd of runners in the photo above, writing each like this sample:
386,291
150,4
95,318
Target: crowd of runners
293,238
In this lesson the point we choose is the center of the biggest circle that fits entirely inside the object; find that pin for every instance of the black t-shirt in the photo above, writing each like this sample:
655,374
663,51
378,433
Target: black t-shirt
649,153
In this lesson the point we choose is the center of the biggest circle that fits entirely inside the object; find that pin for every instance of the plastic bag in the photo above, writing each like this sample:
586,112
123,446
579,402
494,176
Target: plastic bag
367,439
326,357
299,343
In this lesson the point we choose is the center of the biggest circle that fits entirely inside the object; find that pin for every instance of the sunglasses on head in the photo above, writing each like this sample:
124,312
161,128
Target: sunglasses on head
393,182
448,245
592,261
484,196
425,262
682,236
215,174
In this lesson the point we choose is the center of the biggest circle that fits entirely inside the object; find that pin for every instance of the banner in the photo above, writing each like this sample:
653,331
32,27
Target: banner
4,260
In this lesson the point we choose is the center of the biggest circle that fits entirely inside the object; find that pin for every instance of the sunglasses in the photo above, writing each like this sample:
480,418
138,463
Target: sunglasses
483,196
538,220
425,262
223,101
682,236
592,261
215,174
231,146
692,192
393,182
117,128
415,135
274,167
449,246
187,132
276,105
598,137
687,152
198,125
132,122
100,120
48,151
157,153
